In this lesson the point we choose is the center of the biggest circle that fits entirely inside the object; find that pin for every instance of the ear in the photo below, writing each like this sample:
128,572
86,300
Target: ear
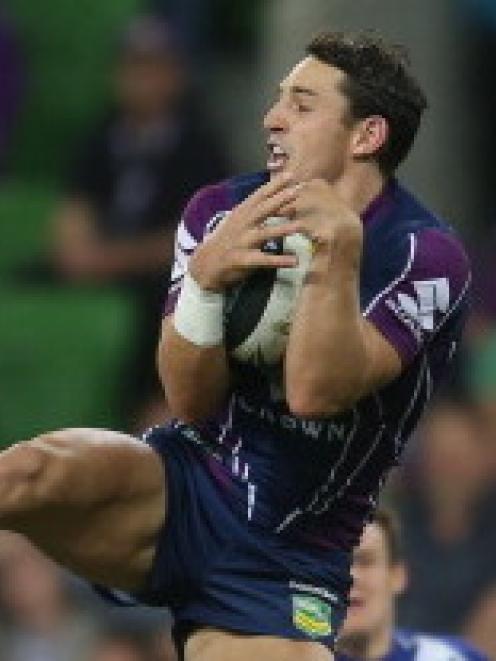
399,578
370,134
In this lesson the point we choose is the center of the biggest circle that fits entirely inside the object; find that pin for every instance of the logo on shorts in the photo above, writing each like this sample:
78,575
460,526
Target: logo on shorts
312,616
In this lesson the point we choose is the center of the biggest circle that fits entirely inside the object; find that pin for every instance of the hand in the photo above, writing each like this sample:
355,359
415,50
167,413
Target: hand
334,229
235,246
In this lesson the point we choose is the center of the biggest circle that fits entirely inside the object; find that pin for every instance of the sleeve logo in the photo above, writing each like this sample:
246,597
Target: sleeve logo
419,312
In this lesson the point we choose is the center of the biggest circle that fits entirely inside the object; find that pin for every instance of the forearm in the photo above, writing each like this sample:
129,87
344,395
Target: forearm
192,358
326,354
140,255
195,379
82,253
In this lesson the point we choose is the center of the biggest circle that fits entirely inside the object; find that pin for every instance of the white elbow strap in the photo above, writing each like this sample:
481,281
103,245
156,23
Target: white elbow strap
199,314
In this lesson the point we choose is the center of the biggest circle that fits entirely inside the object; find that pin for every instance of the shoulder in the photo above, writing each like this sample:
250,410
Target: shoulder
215,199
406,228
435,648
415,275
408,243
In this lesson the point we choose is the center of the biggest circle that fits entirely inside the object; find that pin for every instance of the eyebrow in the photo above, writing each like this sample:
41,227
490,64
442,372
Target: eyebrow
297,89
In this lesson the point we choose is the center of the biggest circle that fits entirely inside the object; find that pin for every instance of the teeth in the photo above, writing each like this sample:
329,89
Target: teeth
277,151
277,157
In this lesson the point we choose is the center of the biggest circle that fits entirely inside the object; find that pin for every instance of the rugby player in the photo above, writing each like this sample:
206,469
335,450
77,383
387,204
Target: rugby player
242,514
379,576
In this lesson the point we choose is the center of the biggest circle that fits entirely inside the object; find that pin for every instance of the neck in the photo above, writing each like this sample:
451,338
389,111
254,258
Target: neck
451,517
359,187
139,122
370,646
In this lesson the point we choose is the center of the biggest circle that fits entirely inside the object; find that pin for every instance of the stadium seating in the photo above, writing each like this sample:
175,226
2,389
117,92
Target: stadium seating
63,93
62,347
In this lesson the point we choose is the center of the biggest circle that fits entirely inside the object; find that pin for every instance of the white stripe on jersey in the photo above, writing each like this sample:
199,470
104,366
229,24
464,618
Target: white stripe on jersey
184,244
396,281
184,239
323,488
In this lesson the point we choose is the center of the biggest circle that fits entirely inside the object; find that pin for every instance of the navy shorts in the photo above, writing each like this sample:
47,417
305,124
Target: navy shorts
212,568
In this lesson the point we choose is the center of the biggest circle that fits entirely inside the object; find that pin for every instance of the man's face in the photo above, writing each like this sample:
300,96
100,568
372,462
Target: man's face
376,583
148,85
307,133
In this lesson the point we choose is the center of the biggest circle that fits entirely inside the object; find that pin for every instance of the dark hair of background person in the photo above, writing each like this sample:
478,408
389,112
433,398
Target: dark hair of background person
378,82
389,524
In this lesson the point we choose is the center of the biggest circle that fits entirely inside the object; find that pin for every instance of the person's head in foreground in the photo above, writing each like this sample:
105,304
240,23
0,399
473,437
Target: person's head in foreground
350,103
379,576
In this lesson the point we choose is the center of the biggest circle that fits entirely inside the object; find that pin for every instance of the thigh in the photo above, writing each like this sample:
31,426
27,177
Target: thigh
215,645
104,508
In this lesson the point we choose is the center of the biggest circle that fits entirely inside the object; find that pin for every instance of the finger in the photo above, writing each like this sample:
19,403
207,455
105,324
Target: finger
255,208
272,187
288,210
252,216
261,234
272,205
299,208
259,259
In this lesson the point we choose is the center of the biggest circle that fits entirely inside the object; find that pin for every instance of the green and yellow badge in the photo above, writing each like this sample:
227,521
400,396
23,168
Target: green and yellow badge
312,616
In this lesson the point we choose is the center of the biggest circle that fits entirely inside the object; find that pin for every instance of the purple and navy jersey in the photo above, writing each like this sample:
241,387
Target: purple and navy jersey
409,646
317,480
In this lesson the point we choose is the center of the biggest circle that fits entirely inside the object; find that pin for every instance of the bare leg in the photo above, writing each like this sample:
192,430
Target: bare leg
213,645
93,500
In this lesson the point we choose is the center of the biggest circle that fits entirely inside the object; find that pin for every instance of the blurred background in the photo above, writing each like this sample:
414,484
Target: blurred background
111,115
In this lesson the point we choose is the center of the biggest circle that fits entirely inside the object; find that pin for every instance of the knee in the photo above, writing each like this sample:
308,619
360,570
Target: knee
31,474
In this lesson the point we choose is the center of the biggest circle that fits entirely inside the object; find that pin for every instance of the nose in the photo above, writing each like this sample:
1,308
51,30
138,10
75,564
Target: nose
275,119
355,575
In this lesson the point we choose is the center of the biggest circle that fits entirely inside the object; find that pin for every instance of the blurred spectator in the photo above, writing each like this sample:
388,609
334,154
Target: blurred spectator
379,576
449,510
164,647
478,20
130,644
214,27
128,189
193,21
481,333
39,622
10,83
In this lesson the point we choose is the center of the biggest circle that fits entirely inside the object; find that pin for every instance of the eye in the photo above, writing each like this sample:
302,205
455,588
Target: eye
302,107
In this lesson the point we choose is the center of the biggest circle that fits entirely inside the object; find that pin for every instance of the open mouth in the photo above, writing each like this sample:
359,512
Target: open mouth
356,602
277,157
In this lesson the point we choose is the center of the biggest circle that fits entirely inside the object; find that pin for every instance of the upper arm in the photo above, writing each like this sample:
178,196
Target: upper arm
417,302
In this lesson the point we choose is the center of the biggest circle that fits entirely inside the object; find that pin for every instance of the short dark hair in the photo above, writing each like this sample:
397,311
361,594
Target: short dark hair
378,82
388,522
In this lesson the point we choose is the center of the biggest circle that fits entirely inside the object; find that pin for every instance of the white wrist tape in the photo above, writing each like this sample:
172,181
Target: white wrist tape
199,314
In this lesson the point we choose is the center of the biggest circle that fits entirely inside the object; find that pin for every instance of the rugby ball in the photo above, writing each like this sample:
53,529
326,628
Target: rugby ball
259,310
